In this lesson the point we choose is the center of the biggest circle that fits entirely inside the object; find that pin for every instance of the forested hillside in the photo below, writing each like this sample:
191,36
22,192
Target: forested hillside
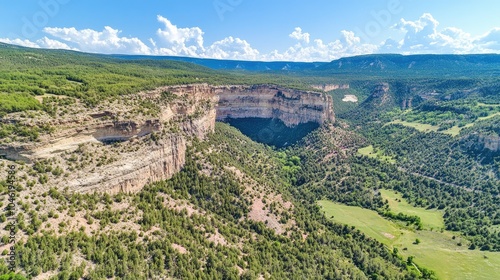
405,148
202,223
447,139
27,73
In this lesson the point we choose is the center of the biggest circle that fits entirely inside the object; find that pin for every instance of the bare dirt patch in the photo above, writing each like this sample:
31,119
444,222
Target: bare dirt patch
40,97
259,211
180,205
261,214
388,235
350,98
217,238
179,248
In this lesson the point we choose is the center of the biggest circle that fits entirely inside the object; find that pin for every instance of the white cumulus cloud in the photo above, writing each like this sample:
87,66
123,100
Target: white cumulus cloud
45,43
189,41
20,42
232,48
182,40
347,45
106,41
423,35
489,42
53,44
298,35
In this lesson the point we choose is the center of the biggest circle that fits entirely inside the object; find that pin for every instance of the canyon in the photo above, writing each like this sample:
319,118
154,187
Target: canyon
491,142
293,107
330,87
109,149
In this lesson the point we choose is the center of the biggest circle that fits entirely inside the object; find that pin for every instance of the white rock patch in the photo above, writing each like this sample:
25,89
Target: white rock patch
350,98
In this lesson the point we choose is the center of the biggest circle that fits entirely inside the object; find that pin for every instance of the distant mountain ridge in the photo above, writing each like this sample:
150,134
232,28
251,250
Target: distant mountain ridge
372,64
415,64
220,64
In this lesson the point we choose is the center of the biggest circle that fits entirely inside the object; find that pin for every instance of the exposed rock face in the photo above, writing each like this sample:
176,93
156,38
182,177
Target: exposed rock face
483,146
380,90
407,103
155,145
290,106
330,87
70,138
135,170
490,142
379,97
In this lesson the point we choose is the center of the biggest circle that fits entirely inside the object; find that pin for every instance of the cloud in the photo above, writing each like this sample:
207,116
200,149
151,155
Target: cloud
349,39
53,44
232,48
106,41
298,35
179,41
189,41
20,42
423,35
489,41
40,43
348,45
180,36
420,34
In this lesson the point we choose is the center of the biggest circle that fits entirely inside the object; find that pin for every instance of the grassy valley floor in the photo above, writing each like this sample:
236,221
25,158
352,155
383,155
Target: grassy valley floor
437,250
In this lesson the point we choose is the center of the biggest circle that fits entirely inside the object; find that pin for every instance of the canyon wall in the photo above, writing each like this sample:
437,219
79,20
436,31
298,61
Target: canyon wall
330,87
152,147
135,170
293,107
490,142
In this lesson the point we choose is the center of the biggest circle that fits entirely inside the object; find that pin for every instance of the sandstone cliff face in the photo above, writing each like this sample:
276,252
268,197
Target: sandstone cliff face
490,142
152,147
380,90
379,97
69,138
407,103
290,106
330,87
135,170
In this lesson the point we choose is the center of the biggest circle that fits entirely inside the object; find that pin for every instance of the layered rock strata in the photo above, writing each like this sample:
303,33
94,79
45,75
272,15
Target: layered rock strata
490,142
153,147
293,107
330,87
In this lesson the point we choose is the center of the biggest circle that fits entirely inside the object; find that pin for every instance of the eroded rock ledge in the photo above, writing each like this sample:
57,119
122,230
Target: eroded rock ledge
330,87
293,107
152,146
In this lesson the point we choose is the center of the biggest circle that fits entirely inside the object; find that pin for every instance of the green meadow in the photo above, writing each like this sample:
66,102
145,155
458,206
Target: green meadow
444,252
378,154
418,126
453,131
431,219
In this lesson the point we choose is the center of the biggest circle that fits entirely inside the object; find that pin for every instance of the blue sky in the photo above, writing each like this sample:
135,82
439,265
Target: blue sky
292,30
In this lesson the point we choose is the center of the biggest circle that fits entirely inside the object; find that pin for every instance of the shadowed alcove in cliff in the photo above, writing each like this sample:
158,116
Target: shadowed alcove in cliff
272,132
273,115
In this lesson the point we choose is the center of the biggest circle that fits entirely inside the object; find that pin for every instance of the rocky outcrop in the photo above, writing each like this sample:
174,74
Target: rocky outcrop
381,90
293,107
70,138
135,170
380,97
407,103
330,87
490,142
484,146
154,145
